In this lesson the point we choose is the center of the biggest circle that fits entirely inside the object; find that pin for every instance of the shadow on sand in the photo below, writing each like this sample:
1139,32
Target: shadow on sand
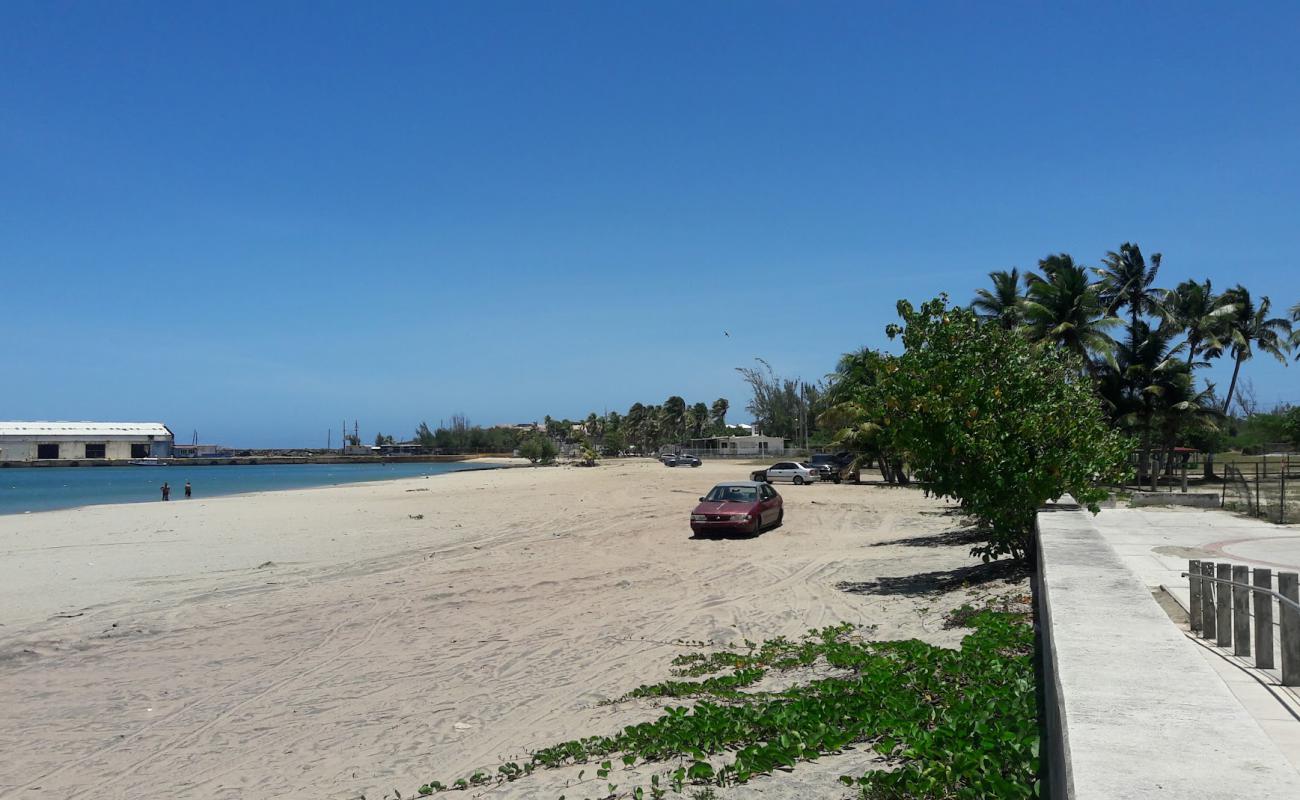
942,581
954,538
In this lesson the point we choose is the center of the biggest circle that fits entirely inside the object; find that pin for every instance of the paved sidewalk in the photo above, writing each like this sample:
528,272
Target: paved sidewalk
1156,544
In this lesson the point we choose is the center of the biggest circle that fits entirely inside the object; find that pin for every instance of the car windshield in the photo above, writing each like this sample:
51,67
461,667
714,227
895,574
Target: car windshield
733,494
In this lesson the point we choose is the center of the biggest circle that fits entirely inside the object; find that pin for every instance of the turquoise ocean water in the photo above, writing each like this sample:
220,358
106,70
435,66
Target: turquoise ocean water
48,488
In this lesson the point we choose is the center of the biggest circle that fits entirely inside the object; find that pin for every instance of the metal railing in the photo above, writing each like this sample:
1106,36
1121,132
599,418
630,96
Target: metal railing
1220,599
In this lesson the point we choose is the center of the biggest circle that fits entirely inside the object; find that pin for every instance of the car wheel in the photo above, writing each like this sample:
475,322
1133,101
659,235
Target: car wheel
780,518
758,525
798,480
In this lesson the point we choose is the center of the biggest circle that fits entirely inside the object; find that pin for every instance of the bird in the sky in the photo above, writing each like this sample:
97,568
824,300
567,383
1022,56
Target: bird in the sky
726,333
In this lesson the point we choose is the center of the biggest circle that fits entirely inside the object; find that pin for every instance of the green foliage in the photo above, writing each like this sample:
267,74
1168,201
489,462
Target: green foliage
462,437
951,723
538,448
1259,431
996,422
780,406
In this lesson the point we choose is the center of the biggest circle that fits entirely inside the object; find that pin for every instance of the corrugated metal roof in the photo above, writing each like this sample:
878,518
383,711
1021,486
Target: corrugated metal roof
20,428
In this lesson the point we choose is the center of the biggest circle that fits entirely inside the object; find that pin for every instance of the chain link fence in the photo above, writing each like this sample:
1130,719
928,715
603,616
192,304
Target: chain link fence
1268,487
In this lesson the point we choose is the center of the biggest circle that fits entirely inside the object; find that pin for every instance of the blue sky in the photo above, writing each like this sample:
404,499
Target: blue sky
257,219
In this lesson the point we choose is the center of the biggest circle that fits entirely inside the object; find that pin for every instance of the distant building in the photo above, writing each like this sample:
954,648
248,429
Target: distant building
81,441
201,451
753,445
411,448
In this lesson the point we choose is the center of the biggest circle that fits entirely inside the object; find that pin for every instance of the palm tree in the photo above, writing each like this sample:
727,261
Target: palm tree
1196,311
1064,308
1127,281
1134,384
1005,303
718,414
673,417
1251,328
1295,332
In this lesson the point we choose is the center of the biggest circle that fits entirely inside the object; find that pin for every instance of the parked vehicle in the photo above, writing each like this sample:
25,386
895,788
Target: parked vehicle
739,507
680,460
834,467
791,471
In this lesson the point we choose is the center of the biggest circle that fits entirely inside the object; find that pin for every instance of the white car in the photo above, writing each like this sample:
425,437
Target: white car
792,471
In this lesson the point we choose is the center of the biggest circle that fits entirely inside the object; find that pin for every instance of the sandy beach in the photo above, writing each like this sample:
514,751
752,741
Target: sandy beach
353,640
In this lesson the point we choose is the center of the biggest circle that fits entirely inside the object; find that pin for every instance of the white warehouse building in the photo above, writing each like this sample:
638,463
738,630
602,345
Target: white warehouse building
80,441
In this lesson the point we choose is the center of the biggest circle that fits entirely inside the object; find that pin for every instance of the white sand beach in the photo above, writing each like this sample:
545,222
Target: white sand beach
353,640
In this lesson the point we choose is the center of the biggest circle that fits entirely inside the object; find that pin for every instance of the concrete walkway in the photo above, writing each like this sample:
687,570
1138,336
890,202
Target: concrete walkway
1157,543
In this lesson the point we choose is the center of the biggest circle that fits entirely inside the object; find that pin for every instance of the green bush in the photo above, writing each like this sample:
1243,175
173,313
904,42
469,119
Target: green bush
994,421
538,448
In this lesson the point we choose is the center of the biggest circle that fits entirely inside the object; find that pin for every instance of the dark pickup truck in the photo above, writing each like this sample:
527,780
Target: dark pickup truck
834,467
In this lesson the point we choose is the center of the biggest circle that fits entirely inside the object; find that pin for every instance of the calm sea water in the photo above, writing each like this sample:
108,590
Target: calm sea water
47,488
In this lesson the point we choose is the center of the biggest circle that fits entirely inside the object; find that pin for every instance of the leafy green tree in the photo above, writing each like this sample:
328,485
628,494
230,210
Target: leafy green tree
1064,308
1250,328
777,404
1291,425
426,437
994,421
613,442
538,448
1005,303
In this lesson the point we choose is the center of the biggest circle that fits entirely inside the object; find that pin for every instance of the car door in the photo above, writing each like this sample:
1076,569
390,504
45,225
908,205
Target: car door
780,472
770,504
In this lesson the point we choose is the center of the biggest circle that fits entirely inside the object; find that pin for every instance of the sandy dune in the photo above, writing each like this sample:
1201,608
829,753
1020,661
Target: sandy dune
151,651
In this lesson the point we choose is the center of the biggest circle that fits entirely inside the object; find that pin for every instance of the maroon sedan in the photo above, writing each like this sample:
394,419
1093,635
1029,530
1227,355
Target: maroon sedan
739,507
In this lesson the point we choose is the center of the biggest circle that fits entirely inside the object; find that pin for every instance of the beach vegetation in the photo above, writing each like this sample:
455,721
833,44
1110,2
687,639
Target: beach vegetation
997,422
948,723
538,448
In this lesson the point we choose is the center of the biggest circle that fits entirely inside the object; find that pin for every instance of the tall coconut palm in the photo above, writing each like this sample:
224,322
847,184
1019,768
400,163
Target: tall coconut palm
718,414
1194,310
1250,328
1064,308
1005,303
1127,281
672,417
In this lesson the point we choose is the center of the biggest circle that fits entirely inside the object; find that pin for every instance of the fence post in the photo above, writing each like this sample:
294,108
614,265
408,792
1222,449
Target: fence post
1223,599
1287,586
1207,601
1194,594
1263,619
1259,510
1240,611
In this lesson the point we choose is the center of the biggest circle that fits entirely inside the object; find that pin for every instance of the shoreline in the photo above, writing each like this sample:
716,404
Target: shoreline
486,464
344,640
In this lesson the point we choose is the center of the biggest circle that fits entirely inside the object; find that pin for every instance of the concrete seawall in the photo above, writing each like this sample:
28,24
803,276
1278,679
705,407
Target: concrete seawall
1132,709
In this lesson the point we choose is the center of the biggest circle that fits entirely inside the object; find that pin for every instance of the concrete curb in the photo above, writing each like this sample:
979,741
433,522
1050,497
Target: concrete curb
1132,709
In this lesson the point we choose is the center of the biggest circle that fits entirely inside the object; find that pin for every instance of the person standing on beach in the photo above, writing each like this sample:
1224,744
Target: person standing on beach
188,490
167,491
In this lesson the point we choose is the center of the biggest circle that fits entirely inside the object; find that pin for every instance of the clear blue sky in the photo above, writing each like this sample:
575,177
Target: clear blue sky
257,219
